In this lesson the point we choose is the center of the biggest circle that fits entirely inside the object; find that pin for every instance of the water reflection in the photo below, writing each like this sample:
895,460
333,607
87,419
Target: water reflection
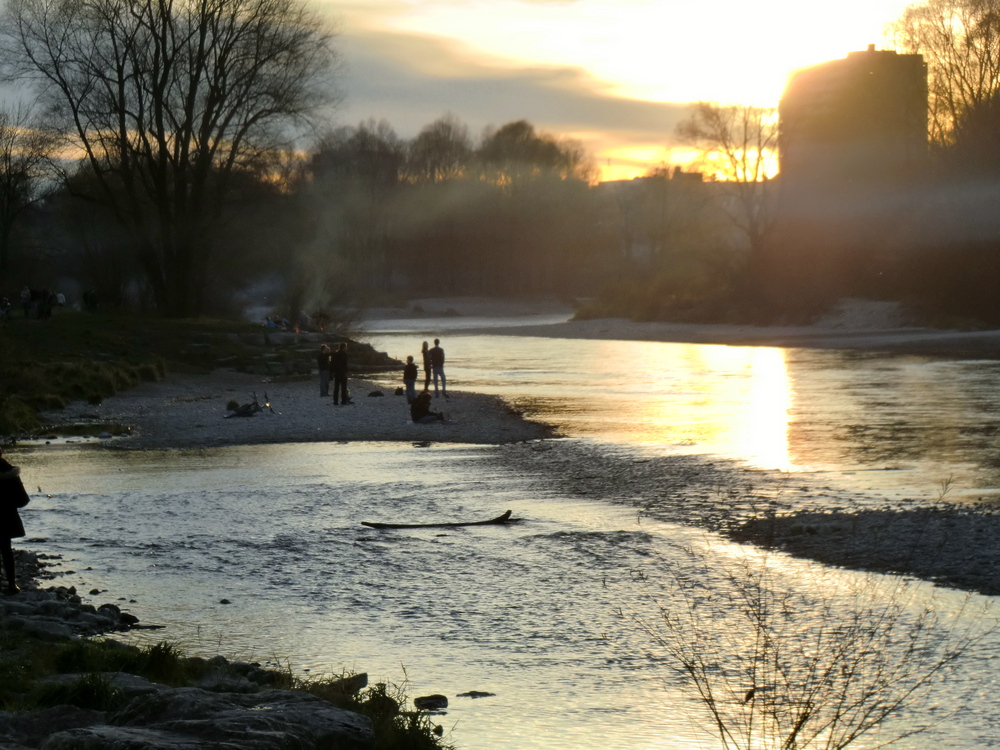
907,422
730,400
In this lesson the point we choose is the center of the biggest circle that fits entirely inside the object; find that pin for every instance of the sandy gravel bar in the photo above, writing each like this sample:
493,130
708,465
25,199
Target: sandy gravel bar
901,340
950,544
189,411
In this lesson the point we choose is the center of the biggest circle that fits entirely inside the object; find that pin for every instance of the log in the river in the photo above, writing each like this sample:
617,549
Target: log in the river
499,520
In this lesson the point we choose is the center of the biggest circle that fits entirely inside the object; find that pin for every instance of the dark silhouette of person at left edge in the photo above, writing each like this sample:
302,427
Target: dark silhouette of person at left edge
12,497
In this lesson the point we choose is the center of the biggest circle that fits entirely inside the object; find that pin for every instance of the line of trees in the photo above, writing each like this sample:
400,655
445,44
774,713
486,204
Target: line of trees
161,162
512,213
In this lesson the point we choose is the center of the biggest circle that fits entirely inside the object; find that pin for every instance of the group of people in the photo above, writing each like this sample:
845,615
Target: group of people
333,365
420,405
433,367
39,301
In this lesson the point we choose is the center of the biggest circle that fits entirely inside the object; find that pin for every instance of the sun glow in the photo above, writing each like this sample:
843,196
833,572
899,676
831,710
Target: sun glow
625,54
660,50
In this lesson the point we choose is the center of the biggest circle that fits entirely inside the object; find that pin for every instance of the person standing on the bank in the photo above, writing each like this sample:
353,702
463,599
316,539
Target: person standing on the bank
12,497
323,362
338,366
410,380
425,352
437,364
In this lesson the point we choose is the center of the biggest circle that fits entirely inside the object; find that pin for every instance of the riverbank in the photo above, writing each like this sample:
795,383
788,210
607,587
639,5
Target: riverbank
866,325
894,340
190,411
63,691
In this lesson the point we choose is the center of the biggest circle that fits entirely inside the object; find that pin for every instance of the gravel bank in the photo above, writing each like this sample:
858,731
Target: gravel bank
189,411
950,544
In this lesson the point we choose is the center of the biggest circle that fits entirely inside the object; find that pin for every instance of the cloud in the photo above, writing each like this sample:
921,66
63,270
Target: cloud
411,80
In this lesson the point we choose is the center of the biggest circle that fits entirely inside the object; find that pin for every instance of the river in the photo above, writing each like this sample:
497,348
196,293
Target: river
528,612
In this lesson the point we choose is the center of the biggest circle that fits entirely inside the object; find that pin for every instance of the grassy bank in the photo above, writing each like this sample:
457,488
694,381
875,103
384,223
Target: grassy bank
30,671
46,364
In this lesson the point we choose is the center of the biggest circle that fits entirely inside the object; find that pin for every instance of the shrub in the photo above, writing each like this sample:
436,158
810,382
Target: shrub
93,691
822,664
16,416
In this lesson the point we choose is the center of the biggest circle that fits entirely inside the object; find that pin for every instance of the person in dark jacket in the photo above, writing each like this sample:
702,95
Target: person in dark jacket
437,364
420,410
12,497
323,363
338,366
410,380
425,352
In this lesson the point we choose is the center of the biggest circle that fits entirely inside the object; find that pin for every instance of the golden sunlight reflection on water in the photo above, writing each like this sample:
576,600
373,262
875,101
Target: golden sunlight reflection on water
730,400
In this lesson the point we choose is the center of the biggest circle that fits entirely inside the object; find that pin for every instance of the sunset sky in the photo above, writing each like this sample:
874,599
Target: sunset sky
614,74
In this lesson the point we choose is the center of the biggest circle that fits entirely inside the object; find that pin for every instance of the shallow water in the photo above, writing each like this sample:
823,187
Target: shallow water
899,426
528,611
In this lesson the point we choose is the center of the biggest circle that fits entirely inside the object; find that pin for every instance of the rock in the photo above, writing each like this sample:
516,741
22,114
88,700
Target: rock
42,627
434,702
194,718
375,394
219,681
30,728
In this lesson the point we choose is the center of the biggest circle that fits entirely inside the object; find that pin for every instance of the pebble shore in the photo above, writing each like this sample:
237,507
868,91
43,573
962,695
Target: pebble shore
950,544
190,411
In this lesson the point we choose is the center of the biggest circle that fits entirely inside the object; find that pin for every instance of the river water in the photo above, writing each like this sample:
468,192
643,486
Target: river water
529,612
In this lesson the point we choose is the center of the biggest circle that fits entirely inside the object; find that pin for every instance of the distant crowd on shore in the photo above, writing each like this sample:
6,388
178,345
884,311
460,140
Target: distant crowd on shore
333,367
34,303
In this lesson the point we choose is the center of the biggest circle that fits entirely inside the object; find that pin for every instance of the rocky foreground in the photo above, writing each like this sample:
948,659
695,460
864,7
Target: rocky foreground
232,705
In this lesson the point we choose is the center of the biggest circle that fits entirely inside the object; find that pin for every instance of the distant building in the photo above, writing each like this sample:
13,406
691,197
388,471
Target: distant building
860,119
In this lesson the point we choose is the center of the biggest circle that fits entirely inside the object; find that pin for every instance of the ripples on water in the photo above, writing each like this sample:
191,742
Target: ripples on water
526,611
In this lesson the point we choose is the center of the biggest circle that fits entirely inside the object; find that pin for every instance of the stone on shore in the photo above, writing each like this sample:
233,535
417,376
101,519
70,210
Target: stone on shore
157,717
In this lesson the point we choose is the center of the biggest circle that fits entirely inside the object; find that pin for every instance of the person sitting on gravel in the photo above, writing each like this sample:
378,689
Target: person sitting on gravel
420,410
12,497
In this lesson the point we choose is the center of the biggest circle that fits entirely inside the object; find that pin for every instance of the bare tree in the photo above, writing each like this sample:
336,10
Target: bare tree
960,42
167,101
25,163
515,153
790,668
441,151
737,144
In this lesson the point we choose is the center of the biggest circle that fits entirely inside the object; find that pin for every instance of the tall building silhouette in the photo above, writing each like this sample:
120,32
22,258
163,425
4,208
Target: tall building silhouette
862,119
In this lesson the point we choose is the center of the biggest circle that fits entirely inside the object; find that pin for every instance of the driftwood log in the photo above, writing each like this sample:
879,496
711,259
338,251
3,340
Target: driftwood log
499,520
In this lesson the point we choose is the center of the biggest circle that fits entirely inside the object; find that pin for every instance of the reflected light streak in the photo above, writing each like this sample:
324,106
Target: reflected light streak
763,433
732,399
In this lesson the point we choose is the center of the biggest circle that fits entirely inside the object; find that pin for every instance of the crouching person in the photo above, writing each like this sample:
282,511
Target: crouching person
420,410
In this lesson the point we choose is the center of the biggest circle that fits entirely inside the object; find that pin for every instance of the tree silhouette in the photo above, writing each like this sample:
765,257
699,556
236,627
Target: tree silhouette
167,102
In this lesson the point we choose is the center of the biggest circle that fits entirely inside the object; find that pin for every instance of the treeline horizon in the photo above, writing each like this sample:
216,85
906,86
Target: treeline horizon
189,190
